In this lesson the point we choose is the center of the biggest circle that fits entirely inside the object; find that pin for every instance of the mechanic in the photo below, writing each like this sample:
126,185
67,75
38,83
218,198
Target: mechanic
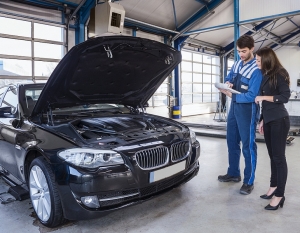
243,115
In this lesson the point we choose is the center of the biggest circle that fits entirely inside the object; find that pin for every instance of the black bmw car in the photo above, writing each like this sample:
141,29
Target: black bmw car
82,144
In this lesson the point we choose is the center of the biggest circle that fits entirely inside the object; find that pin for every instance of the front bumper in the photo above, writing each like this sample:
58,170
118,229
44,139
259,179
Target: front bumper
73,210
123,190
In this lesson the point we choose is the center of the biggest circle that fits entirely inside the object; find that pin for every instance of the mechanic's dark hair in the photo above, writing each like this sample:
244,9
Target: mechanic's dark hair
271,66
245,41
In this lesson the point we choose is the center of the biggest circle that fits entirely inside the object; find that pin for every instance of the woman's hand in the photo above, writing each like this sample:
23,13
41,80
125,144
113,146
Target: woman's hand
261,127
258,99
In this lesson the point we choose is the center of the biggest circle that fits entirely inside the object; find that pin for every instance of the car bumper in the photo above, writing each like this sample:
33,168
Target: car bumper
74,210
118,189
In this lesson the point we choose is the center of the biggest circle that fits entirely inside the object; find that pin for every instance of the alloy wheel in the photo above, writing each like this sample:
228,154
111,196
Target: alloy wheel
39,193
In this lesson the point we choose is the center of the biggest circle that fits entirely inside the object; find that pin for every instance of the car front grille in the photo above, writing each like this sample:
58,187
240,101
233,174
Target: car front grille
152,158
180,150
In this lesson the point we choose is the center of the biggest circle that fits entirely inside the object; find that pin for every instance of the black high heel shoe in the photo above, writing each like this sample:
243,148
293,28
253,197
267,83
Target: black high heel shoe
269,207
265,196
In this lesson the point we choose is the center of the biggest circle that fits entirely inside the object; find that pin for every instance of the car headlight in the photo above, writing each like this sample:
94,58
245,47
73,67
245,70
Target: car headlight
193,136
90,158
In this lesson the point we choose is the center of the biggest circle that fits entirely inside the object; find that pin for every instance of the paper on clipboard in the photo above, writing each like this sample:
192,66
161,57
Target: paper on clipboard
226,87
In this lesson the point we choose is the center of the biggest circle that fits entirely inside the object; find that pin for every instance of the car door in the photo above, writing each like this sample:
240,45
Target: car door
10,153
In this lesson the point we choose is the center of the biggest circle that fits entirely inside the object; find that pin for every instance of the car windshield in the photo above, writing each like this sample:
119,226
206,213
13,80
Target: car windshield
31,96
33,93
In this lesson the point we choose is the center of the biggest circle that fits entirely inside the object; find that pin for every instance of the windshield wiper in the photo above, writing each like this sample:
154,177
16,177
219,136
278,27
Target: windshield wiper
98,111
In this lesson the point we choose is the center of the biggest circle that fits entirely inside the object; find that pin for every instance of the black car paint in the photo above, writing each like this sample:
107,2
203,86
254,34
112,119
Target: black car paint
130,76
74,181
24,136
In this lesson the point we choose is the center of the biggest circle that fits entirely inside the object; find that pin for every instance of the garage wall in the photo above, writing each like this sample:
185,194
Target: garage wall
258,8
16,9
71,40
289,57
150,36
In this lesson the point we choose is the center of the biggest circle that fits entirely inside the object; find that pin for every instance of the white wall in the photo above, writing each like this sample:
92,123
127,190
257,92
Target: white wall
30,11
250,9
150,36
289,57
71,40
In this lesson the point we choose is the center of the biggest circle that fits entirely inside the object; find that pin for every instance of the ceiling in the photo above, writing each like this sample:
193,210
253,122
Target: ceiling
200,20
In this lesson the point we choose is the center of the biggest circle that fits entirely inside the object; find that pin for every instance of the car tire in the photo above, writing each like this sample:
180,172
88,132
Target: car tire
44,194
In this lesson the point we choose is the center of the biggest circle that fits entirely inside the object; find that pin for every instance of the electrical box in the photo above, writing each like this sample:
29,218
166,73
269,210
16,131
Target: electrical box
106,19
298,82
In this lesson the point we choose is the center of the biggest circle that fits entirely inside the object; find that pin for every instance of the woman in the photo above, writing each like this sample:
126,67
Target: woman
274,121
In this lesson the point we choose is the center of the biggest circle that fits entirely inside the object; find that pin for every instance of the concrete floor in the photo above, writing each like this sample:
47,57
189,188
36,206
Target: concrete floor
201,205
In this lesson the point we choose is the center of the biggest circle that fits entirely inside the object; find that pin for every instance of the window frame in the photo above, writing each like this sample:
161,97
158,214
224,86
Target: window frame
203,62
32,58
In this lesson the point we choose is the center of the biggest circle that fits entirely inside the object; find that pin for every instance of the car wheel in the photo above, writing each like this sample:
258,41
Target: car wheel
43,193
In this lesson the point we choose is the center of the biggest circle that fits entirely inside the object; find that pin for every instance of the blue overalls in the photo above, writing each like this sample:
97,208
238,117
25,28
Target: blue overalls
242,118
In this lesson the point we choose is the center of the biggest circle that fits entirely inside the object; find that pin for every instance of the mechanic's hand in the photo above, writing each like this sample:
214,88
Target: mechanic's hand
229,84
228,93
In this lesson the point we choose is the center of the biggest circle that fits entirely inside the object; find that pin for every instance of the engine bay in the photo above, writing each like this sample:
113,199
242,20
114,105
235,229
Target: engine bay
122,130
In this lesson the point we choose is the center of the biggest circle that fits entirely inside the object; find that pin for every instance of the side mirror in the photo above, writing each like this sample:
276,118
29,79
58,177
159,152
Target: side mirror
8,111
4,111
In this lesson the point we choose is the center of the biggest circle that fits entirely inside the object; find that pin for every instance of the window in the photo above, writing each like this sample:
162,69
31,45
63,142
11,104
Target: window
15,47
15,27
47,32
42,68
33,93
29,50
160,97
230,63
199,72
32,96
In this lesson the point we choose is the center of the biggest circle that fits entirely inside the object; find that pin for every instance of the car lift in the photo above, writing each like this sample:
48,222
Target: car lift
15,192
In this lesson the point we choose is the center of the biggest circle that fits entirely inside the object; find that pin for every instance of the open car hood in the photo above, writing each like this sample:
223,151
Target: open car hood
113,69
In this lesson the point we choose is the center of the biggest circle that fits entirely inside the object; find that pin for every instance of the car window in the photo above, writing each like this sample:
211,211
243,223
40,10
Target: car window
33,93
31,96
